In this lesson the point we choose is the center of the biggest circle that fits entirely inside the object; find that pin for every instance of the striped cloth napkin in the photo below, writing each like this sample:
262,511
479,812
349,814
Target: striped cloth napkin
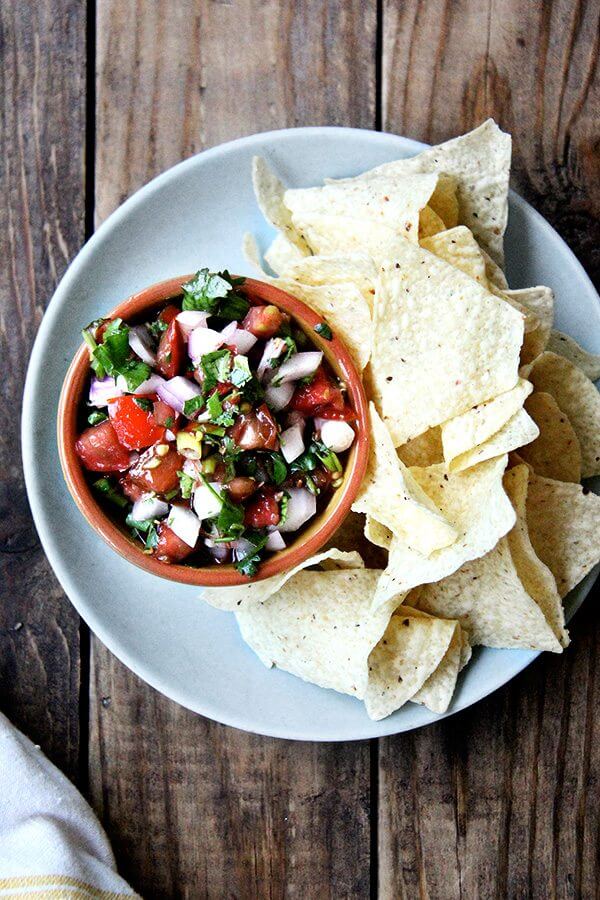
51,843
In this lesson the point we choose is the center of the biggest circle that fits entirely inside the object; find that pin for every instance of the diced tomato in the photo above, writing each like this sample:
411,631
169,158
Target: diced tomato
256,430
169,313
135,427
347,414
264,321
225,387
164,414
162,475
320,393
170,547
100,451
240,488
170,354
322,478
262,510
131,490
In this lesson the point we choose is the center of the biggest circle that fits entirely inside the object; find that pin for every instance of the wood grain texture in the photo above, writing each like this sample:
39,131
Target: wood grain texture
195,809
502,800
42,137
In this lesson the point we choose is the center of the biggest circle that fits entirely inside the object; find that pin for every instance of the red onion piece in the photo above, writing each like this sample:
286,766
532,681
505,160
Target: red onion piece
150,385
228,332
190,319
102,390
149,507
203,340
177,390
302,506
279,397
292,443
141,344
275,541
185,524
242,340
300,365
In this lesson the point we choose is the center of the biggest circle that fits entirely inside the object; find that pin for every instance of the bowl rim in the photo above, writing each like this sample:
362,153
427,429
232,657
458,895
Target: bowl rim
308,541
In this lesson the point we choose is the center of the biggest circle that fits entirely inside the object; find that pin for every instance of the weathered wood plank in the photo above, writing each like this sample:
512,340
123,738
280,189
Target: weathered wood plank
195,809
42,136
502,800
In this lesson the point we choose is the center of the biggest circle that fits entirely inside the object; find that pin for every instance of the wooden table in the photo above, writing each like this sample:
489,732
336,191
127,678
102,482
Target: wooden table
499,801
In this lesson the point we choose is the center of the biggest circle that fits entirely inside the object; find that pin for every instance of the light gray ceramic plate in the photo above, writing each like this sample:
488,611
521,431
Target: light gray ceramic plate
191,216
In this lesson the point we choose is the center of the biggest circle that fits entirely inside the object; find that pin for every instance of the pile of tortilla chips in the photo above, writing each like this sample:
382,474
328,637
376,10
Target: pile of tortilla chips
483,422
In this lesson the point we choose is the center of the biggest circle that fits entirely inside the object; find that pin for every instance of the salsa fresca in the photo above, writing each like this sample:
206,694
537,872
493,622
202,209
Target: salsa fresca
217,428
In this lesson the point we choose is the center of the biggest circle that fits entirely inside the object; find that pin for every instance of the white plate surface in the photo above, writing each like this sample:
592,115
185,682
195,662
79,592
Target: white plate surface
191,216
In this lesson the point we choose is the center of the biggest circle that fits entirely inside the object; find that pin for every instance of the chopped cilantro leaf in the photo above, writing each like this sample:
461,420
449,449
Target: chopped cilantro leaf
240,374
111,357
329,459
96,417
157,328
134,373
143,403
186,485
216,367
193,405
248,564
106,487
324,330
169,422
139,524
305,463
218,415
283,507
204,291
279,468
234,306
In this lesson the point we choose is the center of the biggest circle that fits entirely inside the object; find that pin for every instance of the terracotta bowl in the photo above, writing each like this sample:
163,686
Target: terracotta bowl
309,540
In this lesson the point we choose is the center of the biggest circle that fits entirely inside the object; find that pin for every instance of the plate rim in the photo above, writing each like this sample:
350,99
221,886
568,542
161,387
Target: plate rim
70,275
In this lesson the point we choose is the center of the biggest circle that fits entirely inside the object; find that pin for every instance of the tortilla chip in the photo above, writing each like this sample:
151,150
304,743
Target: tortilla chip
233,598
519,430
564,527
377,533
475,502
566,346
351,534
480,163
357,269
282,254
320,627
459,248
411,650
462,433
556,453
429,223
269,192
424,450
441,343
342,235
578,398
540,303
390,494
345,310
488,599
438,690
536,577
494,273
395,203
444,201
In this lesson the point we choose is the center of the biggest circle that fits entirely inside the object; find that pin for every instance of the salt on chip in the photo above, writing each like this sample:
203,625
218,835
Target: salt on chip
269,192
564,526
566,346
487,597
320,627
441,343
462,433
233,598
556,452
344,308
390,495
475,502
378,199
459,248
409,653
519,430
480,163
424,450
578,398
536,577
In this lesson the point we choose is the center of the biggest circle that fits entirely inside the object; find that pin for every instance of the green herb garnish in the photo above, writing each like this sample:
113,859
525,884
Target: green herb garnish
283,507
240,374
186,485
96,417
216,366
324,330
106,487
143,403
329,459
111,357
214,293
279,468
157,328
169,422
249,563
218,415
193,405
